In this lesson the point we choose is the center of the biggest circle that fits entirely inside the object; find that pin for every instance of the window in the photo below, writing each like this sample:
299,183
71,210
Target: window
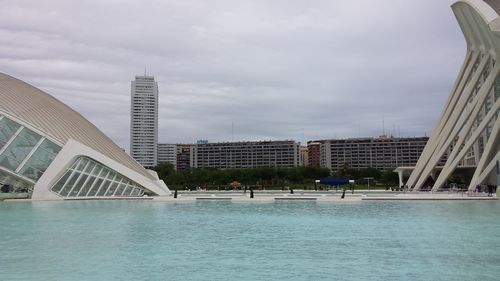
89,178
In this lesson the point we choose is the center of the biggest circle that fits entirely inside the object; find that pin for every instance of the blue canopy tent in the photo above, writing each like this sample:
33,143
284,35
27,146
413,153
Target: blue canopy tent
336,182
333,181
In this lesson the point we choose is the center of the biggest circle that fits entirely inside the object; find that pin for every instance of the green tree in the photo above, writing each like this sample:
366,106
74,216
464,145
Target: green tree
345,172
389,177
165,170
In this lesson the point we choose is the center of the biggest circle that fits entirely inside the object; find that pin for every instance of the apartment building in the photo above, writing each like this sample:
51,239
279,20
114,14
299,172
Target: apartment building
249,154
380,153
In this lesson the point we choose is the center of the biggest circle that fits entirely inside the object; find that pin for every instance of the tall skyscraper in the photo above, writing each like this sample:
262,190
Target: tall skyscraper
144,120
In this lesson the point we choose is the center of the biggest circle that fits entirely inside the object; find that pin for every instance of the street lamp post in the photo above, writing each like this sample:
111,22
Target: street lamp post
368,181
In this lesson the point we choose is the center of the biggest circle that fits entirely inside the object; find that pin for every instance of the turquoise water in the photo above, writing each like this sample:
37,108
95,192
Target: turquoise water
141,240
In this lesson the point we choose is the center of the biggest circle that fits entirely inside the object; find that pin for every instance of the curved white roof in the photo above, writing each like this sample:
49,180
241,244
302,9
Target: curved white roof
495,4
58,121
486,9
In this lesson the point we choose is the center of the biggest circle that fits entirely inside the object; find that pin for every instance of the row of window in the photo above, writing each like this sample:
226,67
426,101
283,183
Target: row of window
88,178
25,155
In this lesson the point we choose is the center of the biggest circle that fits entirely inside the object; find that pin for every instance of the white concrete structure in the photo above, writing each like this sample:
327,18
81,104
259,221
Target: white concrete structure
144,120
50,152
167,152
469,125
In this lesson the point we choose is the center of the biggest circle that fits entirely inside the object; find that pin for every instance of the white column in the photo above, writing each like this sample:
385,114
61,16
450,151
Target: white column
458,87
445,136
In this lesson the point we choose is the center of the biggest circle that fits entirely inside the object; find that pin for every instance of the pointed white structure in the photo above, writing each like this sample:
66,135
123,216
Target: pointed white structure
468,128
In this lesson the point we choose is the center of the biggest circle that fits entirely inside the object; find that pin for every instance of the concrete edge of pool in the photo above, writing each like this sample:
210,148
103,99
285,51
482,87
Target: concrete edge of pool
287,197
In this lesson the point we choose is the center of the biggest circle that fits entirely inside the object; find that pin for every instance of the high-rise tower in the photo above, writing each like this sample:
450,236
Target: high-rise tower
144,120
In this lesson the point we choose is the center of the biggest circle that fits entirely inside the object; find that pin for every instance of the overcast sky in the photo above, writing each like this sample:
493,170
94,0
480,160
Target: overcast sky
276,69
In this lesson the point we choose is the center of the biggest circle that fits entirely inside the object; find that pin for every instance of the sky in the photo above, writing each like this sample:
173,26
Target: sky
241,70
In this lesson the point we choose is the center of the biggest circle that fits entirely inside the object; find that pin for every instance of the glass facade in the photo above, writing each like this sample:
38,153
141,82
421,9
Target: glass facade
24,157
10,183
88,178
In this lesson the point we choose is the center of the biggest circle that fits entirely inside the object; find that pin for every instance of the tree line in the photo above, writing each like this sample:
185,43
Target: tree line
263,176
385,177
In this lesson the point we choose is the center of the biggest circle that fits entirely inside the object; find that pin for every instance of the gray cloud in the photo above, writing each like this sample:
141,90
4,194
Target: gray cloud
275,69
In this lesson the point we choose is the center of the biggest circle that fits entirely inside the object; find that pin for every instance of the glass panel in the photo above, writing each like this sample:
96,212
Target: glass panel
57,187
104,172
120,189
127,190
51,147
3,176
7,130
74,164
97,170
103,189
95,187
81,163
69,184
135,192
31,172
18,149
90,166
112,189
78,185
12,184
140,192
40,160
86,187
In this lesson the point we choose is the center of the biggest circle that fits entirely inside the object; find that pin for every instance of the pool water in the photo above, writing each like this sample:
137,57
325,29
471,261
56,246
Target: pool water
145,240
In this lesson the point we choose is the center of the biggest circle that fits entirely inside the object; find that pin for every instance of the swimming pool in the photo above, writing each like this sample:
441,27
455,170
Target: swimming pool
145,240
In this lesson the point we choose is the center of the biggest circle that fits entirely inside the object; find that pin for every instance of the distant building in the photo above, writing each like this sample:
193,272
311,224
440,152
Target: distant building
184,152
313,153
303,160
144,120
167,153
380,153
283,154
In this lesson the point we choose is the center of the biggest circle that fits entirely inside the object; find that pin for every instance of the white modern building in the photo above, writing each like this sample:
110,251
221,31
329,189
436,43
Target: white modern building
50,152
144,120
167,152
469,125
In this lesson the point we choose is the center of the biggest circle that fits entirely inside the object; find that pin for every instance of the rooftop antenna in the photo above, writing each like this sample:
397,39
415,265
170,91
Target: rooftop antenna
145,71
383,126
232,131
